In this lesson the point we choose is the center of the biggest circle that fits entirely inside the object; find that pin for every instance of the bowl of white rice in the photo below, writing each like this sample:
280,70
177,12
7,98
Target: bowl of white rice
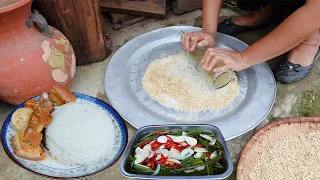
80,134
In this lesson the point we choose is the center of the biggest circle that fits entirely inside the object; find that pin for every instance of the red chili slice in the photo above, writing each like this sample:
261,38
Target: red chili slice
144,143
208,155
156,147
168,145
160,133
148,164
155,144
198,145
176,147
153,162
183,147
173,165
144,161
163,159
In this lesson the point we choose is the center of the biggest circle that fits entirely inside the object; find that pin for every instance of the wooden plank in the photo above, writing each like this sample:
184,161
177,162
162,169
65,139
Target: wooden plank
127,19
128,23
116,17
132,20
148,8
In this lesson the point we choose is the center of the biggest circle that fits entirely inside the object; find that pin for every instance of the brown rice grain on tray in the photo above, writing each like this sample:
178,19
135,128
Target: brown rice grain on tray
178,81
291,158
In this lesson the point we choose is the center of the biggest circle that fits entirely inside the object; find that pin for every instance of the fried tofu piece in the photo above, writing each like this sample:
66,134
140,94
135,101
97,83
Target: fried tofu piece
23,149
20,118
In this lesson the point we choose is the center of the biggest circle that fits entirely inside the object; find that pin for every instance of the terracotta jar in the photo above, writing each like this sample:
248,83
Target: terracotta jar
33,55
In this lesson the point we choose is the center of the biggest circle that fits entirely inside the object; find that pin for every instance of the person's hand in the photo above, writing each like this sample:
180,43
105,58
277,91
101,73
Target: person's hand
230,60
202,39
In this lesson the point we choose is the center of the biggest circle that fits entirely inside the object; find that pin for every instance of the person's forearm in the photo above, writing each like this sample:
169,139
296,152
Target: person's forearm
211,11
296,28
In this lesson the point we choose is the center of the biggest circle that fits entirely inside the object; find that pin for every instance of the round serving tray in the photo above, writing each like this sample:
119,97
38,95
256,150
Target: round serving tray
123,86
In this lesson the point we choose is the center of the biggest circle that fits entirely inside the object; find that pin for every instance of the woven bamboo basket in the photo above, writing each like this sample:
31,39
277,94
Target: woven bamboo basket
272,132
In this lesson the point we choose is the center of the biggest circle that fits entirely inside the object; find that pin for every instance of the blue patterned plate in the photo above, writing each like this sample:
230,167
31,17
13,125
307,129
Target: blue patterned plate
52,168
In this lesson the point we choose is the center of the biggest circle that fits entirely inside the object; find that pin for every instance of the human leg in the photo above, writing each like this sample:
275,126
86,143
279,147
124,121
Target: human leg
300,60
258,14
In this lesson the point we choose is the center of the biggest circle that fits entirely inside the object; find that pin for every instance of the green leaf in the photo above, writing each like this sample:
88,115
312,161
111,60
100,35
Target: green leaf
200,164
142,169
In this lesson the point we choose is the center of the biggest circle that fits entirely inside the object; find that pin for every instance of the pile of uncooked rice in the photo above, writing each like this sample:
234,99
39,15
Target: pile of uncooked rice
178,81
291,158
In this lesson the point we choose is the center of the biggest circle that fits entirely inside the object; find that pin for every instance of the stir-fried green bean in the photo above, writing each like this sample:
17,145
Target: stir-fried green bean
191,166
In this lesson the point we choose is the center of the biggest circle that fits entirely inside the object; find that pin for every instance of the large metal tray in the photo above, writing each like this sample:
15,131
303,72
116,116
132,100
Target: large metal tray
123,86
145,130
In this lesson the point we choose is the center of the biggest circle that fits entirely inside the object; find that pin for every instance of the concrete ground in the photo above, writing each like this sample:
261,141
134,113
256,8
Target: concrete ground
298,99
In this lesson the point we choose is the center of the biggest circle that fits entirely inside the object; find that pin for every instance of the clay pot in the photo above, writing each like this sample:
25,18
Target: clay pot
33,56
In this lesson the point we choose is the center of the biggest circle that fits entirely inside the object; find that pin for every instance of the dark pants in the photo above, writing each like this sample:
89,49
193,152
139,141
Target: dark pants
281,7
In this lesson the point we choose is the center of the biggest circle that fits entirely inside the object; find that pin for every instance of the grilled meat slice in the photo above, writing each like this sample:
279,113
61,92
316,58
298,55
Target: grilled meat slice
60,95
40,118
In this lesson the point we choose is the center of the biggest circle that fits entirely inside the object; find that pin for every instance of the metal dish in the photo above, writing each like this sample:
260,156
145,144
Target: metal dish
147,129
123,86
51,168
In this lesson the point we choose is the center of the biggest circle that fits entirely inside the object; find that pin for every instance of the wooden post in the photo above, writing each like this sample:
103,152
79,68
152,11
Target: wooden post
81,22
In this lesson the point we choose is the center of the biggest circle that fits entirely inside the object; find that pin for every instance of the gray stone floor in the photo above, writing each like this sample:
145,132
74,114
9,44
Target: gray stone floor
89,80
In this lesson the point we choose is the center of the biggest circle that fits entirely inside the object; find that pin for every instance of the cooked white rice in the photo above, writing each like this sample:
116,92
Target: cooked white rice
80,134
